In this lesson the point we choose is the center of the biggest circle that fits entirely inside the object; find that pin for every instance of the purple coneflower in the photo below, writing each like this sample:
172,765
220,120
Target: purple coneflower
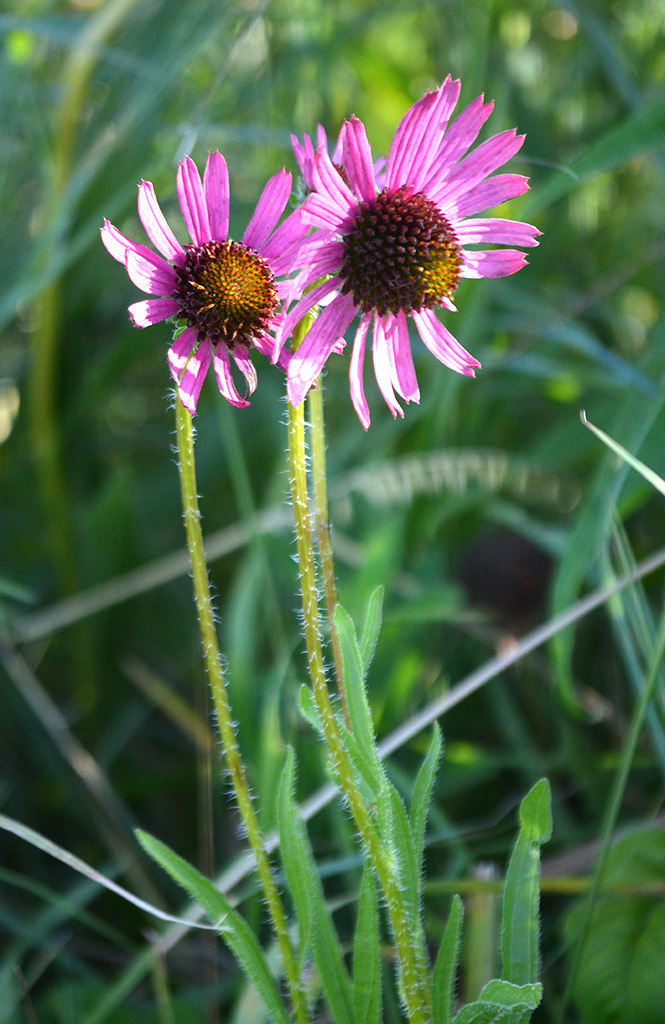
397,247
225,292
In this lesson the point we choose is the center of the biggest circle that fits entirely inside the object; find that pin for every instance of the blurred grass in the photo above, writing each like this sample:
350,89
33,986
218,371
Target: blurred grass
95,96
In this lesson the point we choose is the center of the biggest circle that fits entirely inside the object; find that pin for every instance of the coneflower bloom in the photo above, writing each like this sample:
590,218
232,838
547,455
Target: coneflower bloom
396,248
225,294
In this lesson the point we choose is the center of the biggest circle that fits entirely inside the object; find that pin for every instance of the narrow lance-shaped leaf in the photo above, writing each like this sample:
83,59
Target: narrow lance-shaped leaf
445,968
520,925
235,931
367,996
371,628
359,710
308,898
422,794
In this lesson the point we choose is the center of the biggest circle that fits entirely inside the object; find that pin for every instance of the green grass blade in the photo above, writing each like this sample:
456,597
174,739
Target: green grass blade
293,847
648,474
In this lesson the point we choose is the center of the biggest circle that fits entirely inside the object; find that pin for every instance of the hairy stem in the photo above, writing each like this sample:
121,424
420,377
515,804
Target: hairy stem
412,973
324,543
220,698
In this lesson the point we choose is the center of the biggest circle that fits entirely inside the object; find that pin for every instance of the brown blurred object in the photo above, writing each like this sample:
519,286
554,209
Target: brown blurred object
509,576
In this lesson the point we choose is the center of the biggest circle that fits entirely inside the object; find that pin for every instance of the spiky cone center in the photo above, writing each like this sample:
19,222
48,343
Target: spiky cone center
400,255
226,291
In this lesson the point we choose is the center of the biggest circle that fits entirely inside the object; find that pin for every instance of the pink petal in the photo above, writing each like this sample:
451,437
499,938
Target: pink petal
358,165
327,179
269,209
497,231
283,246
442,344
179,352
382,367
479,164
310,299
193,376
225,383
321,211
421,131
490,192
304,153
356,371
156,226
152,311
404,148
461,134
244,363
193,202
264,344
216,189
399,349
493,263
150,272
116,244
309,358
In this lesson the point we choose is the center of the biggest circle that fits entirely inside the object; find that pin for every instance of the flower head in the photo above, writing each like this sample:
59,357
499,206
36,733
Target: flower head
395,245
226,293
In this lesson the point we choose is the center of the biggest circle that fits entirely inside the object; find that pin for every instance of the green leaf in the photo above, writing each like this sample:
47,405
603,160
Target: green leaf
504,993
367,996
396,830
309,710
493,1013
293,848
359,709
231,926
445,968
422,794
326,949
520,925
621,977
371,629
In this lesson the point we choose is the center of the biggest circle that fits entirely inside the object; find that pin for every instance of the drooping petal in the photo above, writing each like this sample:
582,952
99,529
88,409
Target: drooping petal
193,376
382,367
150,272
152,311
179,352
479,164
225,383
356,371
487,194
358,165
496,230
308,360
399,349
117,244
442,344
244,363
156,226
269,209
193,202
310,299
216,190
493,263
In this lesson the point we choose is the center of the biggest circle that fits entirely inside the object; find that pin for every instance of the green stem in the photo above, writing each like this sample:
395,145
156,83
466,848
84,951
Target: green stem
413,976
222,707
324,543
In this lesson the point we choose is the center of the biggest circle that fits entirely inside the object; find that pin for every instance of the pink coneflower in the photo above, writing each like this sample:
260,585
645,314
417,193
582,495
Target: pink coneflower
398,247
224,292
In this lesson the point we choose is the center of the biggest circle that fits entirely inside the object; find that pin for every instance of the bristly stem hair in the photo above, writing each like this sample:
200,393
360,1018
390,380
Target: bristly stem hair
412,972
185,435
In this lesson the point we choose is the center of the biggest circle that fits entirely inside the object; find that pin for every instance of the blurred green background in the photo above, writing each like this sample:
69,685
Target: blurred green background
484,511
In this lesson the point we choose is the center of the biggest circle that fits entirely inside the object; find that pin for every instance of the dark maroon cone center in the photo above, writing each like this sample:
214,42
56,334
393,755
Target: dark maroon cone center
401,254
